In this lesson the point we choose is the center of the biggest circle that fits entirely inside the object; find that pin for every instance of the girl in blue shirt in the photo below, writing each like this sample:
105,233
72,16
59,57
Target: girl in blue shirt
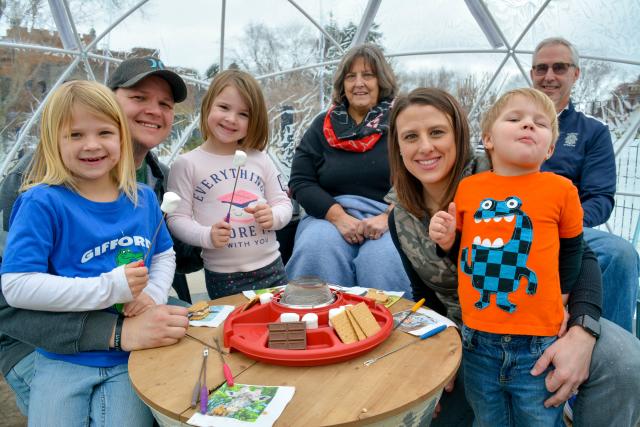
77,238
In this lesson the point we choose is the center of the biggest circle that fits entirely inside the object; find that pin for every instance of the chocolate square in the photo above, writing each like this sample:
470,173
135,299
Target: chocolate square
287,335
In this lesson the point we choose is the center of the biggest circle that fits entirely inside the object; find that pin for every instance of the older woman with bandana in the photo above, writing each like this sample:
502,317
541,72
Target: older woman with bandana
340,175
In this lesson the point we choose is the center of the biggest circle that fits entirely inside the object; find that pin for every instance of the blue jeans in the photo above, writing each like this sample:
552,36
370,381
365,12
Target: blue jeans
66,394
320,250
498,384
19,379
610,396
620,267
20,376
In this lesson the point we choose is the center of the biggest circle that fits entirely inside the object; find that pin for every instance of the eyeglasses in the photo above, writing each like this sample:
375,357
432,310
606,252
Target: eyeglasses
558,68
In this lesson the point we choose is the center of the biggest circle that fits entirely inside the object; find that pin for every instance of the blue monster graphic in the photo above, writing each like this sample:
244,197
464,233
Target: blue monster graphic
497,270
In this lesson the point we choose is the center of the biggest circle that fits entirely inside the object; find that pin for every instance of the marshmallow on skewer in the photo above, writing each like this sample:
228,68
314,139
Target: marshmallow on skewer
266,298
170,202
239,158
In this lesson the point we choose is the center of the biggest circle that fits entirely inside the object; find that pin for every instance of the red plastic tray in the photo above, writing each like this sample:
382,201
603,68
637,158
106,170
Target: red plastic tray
247,333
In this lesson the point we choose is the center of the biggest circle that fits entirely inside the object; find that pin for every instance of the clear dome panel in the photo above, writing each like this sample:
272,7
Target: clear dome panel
268,46
24,85
597,28
513,16
410,26
184,37
28,22
293,100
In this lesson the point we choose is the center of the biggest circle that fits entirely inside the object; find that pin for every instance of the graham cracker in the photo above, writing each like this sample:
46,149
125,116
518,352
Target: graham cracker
199,310
356,327
253,301
377,295
365,319
343,328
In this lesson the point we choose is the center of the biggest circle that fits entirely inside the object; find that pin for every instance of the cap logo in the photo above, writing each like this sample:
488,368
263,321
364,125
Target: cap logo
156,64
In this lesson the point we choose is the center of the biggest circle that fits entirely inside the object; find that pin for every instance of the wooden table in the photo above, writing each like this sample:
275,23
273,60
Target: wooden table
400,388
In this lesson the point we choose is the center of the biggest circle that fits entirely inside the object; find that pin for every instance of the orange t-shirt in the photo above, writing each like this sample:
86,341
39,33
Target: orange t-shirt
508,279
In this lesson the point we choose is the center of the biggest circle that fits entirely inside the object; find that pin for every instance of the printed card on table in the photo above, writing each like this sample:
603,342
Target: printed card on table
252,294
422,321
244,405
217,315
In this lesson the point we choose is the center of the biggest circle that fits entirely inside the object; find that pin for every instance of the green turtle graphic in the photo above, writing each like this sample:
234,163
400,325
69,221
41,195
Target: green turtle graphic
124,257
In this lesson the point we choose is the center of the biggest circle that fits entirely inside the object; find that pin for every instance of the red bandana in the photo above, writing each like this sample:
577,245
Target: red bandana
369,134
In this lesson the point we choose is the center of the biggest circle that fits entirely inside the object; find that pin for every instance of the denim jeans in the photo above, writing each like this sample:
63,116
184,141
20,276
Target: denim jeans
610,396
620,267
320,250
66,394
498,384
19,379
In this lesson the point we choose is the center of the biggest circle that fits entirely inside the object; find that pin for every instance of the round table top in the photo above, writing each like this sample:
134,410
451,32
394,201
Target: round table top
346,393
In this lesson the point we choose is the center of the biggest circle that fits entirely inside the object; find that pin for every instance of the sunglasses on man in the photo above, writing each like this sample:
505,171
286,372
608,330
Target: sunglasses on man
558,68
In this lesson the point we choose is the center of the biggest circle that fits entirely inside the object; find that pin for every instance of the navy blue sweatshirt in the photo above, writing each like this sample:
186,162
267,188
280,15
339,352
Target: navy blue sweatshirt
584,154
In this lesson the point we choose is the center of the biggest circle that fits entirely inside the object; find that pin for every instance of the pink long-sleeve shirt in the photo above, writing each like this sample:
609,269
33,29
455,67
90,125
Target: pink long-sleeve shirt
204,181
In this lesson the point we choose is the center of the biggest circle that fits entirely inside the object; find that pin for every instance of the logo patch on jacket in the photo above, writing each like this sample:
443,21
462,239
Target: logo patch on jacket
571,139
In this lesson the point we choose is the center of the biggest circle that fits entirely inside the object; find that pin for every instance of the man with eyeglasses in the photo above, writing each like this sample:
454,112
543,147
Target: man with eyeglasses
584,154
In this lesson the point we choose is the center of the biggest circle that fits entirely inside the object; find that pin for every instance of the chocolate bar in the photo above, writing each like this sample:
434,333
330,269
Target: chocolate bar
287,335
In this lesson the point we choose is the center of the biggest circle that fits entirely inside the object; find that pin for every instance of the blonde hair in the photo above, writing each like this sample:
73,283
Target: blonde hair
539,98
249,89
47,166
408,188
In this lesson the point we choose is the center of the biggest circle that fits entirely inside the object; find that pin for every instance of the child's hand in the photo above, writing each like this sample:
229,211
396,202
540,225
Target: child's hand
262,213
137,277
138,305
220,234
442,228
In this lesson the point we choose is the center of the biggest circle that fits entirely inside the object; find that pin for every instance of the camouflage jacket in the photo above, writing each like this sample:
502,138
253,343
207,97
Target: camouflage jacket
439,274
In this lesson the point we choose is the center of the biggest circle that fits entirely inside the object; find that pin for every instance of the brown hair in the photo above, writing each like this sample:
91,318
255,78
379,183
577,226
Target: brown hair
47,166
408,188
536,96
373,56
249,89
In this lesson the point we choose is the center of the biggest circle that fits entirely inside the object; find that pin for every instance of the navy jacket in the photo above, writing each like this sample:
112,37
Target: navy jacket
584,154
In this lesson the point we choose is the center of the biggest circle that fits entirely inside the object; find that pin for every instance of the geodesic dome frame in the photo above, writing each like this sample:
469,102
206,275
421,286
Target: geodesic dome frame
475,49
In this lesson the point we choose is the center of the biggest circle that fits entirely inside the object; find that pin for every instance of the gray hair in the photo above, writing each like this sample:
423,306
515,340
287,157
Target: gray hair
550,41
373,57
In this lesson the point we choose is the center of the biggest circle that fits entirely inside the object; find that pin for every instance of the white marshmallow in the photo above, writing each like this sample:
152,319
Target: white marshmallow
239,158
266,298
311,320
289,317
170,202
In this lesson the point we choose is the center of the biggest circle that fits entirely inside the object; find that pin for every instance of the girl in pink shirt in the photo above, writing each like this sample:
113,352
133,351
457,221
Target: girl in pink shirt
236,229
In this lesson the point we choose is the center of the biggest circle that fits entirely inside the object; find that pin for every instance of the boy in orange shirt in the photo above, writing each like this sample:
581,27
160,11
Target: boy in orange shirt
516,226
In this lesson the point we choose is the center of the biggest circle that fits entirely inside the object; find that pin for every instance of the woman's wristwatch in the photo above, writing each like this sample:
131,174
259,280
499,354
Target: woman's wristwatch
588,323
